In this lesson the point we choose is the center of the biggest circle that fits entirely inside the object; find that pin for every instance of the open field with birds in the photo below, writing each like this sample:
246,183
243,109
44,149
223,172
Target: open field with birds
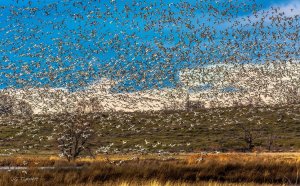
196,147
243,129
149,93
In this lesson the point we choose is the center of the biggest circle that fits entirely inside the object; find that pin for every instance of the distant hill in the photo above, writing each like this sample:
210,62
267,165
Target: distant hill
229,86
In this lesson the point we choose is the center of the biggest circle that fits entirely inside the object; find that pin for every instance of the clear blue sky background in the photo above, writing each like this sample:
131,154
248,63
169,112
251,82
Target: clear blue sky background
71,43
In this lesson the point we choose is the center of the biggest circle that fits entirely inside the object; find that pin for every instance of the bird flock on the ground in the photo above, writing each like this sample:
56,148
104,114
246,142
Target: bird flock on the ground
158,132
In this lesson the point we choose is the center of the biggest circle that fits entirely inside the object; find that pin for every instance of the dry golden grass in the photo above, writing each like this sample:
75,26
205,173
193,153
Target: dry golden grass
184,169
246,158
52,160
169,183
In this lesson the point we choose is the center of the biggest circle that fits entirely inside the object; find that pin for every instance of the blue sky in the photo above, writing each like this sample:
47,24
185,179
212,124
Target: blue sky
71,43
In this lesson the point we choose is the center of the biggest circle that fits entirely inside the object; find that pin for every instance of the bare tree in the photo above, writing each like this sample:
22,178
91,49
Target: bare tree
250,133
271,140
272,134
74,138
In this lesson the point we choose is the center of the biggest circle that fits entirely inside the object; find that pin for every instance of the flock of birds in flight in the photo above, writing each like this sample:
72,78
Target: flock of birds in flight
142,44
139,44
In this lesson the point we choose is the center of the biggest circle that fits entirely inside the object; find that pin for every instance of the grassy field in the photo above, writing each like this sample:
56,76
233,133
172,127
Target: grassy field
153,169
198,147
275,129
